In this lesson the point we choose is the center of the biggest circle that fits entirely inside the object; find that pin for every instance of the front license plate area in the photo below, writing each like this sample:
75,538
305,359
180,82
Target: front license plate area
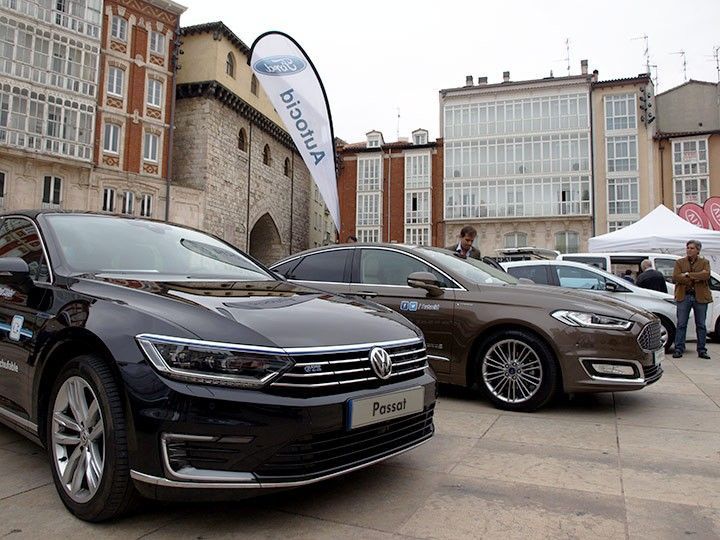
658,357
371,410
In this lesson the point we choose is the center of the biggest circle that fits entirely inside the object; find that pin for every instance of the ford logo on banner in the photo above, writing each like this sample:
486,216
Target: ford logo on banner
279,65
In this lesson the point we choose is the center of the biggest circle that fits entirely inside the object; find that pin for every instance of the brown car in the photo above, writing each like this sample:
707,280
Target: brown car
520,343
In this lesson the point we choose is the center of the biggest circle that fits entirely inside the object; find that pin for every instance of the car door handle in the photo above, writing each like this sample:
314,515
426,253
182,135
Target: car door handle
367,294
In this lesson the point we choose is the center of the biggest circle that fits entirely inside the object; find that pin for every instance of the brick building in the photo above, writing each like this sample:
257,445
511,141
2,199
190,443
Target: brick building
391,192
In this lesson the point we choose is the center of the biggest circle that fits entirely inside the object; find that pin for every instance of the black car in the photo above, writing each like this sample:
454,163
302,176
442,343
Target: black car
157,360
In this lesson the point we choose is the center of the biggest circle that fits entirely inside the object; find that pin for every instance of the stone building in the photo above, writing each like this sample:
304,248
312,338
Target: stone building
229,145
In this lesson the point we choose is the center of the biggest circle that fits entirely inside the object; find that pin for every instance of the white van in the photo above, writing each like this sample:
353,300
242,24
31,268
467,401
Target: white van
617,263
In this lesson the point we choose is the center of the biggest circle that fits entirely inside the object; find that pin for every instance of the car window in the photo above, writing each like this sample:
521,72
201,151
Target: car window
19,238
385,267
285,268
665,266
110,245
537,274
598,262
579,278
470,269
714,284
328,266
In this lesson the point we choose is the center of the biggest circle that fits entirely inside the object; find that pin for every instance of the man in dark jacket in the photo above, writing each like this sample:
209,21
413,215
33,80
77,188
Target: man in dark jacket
650,278
464,247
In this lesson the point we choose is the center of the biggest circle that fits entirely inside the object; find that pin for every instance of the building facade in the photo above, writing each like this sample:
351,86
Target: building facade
626,179
391,192
688,140
49,55
135,102
517,162
230,146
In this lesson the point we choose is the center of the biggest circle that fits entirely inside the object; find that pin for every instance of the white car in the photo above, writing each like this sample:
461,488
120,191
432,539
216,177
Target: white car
617,262
575,275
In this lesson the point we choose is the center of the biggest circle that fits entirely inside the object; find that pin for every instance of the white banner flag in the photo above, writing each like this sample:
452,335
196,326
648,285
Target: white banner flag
293,85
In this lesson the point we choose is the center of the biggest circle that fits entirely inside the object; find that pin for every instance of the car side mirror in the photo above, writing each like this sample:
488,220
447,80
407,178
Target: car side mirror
427,281
610,286
14,271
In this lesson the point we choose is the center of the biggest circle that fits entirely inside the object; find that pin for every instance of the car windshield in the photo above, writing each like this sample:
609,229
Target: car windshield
470,269
109,245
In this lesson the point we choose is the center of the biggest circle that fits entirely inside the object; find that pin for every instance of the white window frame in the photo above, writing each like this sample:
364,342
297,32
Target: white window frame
108,199
420,137
515,239
419,236
369,173
368,234
146,205
691,171
128,202
616,147
567,235
53,181
154,92
369,209
423,207
623,191
418,170
151,146
119,28
111,138
616,225
157,43
115,81
614,115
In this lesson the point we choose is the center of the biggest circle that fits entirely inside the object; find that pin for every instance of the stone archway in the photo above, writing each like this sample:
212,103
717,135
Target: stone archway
265,242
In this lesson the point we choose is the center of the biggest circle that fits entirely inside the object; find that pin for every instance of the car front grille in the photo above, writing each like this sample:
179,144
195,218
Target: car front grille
333,371
650,337
323,454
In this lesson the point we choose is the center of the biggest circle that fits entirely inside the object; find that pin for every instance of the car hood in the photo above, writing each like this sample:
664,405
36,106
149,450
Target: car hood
264,313
554,298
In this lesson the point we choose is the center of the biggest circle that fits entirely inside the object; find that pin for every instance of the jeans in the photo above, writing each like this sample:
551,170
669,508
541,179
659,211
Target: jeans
683,314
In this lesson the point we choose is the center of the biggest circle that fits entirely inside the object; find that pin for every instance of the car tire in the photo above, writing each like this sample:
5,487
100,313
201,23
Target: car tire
87,441
517,371
669,329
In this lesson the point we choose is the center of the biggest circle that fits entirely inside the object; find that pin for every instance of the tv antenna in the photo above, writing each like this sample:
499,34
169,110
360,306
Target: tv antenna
684,60
567,52
646,54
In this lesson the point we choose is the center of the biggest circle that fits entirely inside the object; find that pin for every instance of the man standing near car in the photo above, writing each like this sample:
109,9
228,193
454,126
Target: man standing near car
692,291
650,278
464,247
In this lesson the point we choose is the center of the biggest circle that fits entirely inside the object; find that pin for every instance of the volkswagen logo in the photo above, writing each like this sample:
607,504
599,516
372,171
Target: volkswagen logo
381,362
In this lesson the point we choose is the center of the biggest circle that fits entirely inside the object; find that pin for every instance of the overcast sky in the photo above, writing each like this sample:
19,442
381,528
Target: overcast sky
376,57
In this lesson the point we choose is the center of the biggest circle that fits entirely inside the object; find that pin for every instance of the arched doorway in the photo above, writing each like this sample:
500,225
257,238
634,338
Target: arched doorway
265,242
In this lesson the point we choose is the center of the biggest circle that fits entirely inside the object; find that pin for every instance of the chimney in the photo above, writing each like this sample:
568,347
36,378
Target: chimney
595,75
583,67
482,80
506,76
468,80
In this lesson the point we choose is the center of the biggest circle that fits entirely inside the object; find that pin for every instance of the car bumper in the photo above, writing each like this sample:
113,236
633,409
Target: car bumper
189,447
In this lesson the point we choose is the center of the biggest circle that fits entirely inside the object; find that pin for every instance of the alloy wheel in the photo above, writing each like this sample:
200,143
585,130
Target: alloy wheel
78,439
512,371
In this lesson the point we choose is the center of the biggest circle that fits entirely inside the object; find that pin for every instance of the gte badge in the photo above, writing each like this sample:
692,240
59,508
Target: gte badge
407,305
16,327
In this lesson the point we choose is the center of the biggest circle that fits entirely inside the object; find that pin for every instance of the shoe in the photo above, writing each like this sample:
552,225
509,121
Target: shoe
677,354
704,355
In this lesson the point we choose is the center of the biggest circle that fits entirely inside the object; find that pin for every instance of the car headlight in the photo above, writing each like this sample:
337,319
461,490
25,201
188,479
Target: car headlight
208,362
592,320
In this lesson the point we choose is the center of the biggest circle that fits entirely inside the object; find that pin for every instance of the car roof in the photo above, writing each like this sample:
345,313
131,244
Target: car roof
350,245
645,254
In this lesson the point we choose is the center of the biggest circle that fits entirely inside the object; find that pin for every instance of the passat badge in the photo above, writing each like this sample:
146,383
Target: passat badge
381,362
278,66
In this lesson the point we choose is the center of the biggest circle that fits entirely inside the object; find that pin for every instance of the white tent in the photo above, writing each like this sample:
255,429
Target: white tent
661,231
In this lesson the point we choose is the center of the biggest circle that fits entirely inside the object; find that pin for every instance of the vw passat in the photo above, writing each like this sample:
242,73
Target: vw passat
157,360
521,344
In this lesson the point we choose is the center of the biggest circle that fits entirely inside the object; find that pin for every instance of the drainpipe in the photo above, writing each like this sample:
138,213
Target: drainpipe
174,59
247,215
292,195
389,213
592,160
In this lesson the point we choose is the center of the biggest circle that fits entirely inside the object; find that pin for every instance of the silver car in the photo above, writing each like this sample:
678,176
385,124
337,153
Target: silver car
575,275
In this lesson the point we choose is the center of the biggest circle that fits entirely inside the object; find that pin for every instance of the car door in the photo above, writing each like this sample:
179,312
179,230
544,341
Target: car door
19,308
381,274
326,270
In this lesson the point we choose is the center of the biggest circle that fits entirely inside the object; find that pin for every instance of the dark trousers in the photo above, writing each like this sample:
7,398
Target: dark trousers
683,314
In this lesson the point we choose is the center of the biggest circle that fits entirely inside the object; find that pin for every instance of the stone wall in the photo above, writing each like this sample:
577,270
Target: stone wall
207,157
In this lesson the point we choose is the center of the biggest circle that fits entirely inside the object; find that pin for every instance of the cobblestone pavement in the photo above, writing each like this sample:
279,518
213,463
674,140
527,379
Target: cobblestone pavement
635,465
